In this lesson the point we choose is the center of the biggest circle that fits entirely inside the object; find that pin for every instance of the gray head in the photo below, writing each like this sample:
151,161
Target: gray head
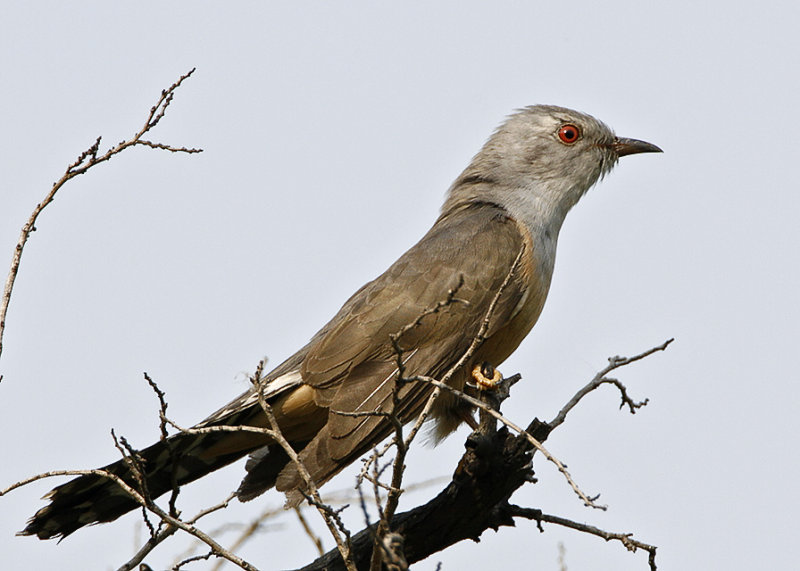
541,161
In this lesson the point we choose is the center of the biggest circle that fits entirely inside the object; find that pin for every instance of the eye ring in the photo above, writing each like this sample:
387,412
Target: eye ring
569,133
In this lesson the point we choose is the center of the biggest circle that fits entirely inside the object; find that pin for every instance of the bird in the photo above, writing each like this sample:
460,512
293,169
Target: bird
491,253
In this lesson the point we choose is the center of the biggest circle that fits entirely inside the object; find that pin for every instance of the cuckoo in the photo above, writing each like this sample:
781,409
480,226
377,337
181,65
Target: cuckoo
493,244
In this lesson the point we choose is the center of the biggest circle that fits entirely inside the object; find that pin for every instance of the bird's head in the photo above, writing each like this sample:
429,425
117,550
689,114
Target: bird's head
544,154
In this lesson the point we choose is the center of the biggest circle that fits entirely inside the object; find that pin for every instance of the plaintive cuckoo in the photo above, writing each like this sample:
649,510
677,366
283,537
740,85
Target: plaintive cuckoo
497,232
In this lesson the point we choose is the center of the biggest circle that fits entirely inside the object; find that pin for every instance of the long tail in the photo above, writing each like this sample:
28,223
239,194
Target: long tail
185,457
92,499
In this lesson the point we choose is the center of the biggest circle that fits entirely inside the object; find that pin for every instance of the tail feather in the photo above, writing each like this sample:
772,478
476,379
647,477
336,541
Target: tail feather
92,499
183,458
263,468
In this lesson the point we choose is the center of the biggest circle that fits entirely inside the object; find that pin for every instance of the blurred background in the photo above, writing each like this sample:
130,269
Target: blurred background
330,134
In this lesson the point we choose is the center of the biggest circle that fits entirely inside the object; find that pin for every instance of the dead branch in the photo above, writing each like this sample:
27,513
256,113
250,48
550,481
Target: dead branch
338,530
495,464
86,160
489,472
625,538
587,500
309,532
189,528
339,497
600,379
131,457
169,530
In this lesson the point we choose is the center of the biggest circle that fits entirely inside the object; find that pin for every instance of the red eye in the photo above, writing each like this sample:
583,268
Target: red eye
569,134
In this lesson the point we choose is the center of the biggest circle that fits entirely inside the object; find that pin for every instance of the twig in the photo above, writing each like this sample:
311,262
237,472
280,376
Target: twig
494,466
169,530
587,500
173,458
309,532
625,538
134,463
248,532
102,473
86,160
600,378
403,443
192,559
340,497
141,500
216,548
476,342
329,515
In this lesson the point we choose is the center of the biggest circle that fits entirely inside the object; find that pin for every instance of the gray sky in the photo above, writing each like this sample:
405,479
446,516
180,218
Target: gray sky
330,137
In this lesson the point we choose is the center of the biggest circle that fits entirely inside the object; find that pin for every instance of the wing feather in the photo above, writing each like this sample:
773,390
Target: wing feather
353,365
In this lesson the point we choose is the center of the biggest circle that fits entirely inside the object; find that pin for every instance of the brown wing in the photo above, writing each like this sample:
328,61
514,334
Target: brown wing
353,366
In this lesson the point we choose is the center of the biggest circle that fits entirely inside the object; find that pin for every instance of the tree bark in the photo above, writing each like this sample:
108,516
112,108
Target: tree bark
495,464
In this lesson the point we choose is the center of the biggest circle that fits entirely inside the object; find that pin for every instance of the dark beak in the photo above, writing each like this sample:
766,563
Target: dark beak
624,147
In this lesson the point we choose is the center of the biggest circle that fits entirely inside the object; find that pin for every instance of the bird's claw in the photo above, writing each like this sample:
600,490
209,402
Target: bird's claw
486,376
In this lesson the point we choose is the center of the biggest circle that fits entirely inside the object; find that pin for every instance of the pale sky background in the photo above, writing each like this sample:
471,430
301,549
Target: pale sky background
331,133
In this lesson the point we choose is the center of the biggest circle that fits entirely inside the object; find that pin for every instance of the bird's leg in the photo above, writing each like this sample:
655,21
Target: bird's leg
486,376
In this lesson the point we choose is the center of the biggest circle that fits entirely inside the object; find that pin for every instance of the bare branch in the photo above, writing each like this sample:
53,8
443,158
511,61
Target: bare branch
600,379
170,148
249,532
336,497
329,515
134,463
494,466
216,548
587,500
102,473
173,457
625,538
169,530
151,506
192,559
86,160
309,532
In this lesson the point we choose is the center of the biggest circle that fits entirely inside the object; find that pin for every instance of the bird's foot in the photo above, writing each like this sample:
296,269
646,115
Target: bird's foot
486,376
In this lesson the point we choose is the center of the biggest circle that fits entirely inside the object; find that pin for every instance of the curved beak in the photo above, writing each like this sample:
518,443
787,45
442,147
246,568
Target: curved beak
623,146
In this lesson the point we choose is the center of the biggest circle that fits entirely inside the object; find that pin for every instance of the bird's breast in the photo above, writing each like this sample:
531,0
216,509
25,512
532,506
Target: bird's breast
535,272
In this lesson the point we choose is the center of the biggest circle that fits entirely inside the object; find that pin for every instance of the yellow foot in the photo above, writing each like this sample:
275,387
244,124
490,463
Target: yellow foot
486,376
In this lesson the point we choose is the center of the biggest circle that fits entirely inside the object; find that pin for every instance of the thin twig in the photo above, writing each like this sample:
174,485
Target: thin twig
311,493
403,443
134,462
587,500
249,531
476,342
309,532
336,497
625,538
173,457
192,559
142,501
86,160
600,378
169,530
136,496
